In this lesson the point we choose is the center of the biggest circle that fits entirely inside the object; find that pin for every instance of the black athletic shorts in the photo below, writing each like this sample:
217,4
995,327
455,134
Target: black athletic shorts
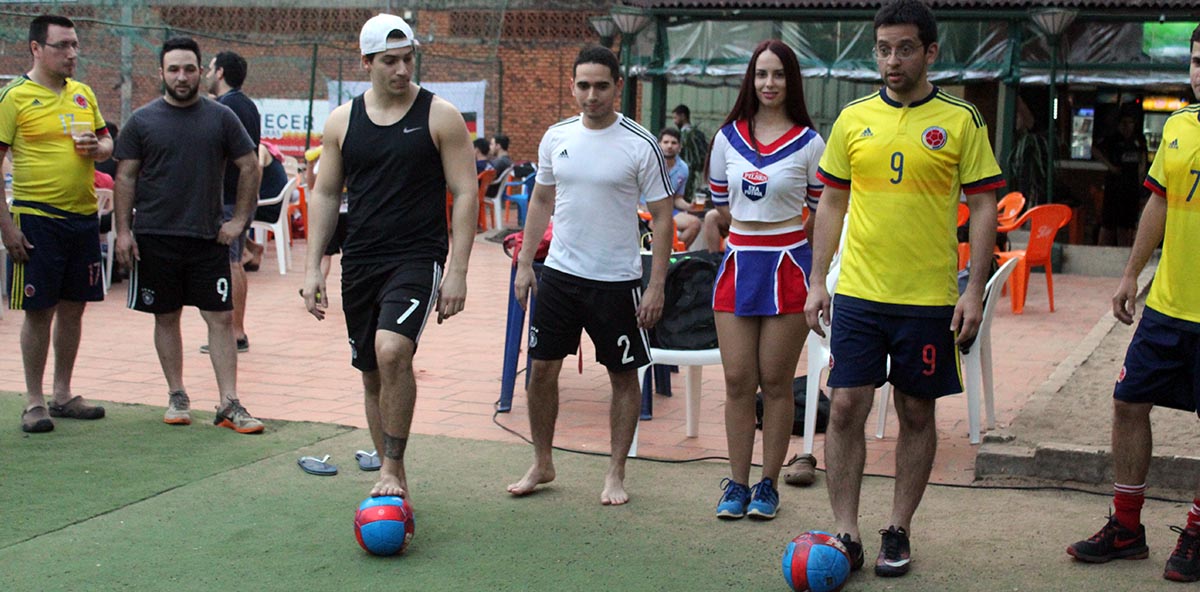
397,297
567,304
64,263
178,271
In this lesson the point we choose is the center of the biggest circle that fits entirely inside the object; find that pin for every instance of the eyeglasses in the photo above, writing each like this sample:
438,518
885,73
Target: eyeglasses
63,45
903,52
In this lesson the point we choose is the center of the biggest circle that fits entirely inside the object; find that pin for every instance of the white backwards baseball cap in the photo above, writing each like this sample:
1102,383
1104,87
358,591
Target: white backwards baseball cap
374,35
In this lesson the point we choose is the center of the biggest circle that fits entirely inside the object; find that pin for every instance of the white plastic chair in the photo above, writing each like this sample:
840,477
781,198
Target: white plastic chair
497,200
977,363
104,203
693,361
280,227
818,357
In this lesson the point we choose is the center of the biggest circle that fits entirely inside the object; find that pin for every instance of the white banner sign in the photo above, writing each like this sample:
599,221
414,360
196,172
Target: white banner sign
284,122
467,97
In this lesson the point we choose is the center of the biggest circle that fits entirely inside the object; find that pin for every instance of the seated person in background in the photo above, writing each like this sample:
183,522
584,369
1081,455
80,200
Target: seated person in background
334,247
715,229
274,179
501,161
687,226
104,181
482,147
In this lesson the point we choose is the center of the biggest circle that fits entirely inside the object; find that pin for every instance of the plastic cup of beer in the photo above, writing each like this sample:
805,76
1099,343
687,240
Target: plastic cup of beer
79,132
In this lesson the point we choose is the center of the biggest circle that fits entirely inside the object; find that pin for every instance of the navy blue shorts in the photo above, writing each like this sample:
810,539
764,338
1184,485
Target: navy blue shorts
64,263
918,338
1162,364
567,305
177,271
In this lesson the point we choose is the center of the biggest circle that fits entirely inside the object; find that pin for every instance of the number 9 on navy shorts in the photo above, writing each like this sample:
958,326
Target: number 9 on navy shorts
924,359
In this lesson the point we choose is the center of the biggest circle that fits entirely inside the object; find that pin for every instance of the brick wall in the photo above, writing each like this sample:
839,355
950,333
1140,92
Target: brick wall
526,58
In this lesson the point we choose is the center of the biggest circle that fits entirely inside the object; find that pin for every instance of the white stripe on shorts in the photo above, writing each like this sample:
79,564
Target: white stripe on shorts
431,308
637,303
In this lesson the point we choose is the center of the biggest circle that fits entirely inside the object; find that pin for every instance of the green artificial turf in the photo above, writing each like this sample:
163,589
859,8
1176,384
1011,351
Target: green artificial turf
87,468
128,503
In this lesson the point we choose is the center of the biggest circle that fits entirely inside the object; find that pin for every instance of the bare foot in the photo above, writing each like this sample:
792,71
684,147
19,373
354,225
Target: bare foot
389,485
614,491
535,476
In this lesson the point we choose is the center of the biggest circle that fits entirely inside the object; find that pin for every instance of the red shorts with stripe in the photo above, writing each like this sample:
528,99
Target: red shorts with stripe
764,273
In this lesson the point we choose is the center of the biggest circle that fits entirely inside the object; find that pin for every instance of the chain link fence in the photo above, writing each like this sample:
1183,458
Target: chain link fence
299,53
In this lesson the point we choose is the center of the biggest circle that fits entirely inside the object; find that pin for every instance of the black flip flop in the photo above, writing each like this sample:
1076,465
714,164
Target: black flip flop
317,466
368,461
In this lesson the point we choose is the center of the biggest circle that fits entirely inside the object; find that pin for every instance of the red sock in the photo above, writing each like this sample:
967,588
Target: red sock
1128,500
1193,522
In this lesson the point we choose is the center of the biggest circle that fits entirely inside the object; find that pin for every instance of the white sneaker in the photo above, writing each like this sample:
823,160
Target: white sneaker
178,406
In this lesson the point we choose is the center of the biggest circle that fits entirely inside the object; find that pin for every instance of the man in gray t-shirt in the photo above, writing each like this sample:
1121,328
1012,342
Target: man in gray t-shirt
172,156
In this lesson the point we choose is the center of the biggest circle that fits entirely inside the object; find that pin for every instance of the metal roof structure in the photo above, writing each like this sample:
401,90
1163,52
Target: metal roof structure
1189,5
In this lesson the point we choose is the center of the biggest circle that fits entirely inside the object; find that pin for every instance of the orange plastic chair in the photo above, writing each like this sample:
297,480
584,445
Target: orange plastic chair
964,214
964,249
1044,223
676,245
301,207
1007,210
484,178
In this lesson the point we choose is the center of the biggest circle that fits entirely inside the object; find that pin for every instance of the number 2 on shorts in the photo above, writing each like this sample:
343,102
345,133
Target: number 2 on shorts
407,313
623,341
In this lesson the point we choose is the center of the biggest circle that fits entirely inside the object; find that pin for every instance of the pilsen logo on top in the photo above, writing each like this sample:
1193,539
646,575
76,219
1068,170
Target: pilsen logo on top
754,185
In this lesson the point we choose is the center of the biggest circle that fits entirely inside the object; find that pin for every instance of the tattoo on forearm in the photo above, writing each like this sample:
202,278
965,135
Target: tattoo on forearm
393,447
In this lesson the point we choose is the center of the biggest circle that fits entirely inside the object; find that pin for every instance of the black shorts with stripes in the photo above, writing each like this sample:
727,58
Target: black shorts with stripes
398,297
567,304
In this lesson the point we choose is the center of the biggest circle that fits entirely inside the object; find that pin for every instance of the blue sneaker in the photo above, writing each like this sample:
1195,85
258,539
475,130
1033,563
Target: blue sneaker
733,503
764,500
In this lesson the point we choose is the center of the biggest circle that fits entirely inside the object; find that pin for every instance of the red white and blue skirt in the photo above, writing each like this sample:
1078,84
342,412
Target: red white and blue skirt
764,273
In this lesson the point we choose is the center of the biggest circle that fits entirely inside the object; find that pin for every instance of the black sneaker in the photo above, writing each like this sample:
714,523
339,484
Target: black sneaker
243,346
1112,542
854,549
893,560
1184,563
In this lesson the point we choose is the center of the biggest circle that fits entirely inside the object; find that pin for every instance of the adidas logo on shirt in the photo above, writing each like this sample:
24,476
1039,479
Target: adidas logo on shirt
563,154
36,103
1174,145
867,134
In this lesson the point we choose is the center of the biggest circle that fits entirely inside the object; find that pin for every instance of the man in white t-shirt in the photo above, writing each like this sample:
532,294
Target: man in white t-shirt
592,168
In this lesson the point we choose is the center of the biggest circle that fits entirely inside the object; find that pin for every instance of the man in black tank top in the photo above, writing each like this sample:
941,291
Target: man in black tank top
397,149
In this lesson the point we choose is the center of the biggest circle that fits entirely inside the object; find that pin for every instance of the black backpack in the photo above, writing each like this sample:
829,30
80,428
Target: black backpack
800,394
687,319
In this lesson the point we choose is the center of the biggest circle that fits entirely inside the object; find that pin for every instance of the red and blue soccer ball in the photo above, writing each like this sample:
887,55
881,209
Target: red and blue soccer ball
816,562
384,525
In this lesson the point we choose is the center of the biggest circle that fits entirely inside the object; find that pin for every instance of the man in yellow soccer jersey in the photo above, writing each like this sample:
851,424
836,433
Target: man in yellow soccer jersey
898,158
56,133
1162,365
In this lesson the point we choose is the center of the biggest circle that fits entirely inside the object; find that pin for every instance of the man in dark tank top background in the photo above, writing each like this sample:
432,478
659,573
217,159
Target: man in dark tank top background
397,148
